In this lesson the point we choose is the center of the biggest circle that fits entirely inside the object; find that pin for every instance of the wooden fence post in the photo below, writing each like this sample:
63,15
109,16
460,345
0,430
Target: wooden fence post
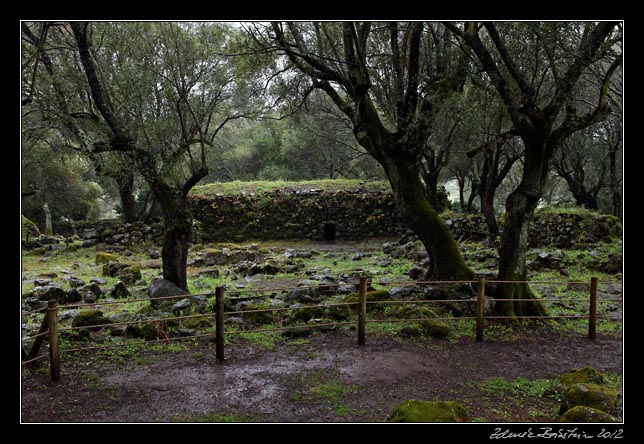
54,355
362,310
592,317
219,323
480,303
35,347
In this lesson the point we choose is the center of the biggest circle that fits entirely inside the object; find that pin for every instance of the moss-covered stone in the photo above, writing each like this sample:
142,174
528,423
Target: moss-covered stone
414,410
338,312
306,313
39,251
90,318
372,296
436,329
104,258
127,272
257,317
589,395
147,331
430,327
29,230
580,376
582,413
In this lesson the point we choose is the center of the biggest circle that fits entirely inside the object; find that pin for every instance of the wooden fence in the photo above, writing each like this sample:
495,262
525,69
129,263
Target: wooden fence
49,328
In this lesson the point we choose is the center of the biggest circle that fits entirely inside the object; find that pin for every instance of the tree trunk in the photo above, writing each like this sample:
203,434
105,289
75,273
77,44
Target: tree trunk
519,209
583,197
487,208
49,231
126,192
615,192
446,260
176,240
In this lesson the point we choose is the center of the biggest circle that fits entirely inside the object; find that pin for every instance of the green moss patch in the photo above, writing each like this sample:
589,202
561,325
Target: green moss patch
415,410
582,413
580,376
89,318
589,395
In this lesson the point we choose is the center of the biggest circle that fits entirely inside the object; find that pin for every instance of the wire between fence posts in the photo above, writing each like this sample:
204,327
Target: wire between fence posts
592,315
219,324
480,303
362,310
54,354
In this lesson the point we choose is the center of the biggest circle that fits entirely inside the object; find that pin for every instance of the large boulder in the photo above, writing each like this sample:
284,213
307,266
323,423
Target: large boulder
582,413
415,410
581,376
162,288
589,395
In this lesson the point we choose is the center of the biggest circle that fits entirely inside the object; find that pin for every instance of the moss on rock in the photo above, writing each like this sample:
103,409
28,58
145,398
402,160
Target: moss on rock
306,313
589,395
372,296
580,376
90,318
257,317
104,258
582,413
29,229
414,410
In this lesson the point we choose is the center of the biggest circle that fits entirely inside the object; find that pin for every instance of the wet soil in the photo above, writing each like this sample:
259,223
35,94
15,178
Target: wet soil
324,378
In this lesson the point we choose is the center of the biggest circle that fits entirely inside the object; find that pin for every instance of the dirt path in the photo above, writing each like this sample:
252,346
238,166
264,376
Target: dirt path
326,378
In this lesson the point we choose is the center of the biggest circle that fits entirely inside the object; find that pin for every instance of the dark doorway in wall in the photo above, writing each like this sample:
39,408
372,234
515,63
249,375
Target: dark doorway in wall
329,231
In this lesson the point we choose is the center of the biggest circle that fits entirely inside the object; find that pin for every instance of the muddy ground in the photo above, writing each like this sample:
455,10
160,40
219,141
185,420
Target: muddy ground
324,378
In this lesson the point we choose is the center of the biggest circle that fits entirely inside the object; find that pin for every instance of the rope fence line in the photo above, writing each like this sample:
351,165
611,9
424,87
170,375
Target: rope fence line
50,321
293,327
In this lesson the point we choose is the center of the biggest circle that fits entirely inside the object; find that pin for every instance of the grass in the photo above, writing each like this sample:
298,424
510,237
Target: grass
520,387
238,187
320,386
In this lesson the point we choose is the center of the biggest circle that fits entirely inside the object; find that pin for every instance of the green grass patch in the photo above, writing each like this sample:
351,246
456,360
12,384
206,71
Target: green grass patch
328,185
520,387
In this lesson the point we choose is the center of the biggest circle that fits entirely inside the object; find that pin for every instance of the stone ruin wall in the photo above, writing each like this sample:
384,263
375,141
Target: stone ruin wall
342,215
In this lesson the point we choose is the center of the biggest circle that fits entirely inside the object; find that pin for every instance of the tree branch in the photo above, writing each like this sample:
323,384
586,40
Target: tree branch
121,141
514,70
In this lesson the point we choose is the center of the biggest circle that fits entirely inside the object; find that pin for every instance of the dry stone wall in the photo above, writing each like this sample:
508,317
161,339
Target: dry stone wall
339,215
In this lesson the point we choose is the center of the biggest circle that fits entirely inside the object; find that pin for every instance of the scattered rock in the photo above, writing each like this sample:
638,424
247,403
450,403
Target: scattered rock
257,317
416,272
93,319
99,281
73,295
328,285
399,293
42,282
50,292
119,290
415,410
104,258
306,313
75,282
161,288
